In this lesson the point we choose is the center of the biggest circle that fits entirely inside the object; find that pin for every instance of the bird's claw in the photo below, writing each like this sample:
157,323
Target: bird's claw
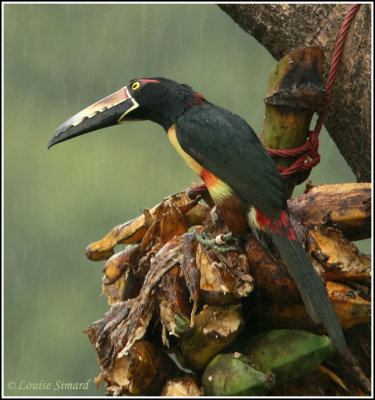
216,243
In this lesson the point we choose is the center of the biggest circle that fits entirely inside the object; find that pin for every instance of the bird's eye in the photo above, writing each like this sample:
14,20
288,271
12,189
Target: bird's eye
136,85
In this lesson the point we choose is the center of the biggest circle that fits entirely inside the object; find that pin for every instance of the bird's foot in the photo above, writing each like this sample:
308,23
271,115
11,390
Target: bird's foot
197,190
217,243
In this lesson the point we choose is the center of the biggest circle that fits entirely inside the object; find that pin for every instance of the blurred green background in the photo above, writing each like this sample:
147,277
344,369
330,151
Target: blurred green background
58,59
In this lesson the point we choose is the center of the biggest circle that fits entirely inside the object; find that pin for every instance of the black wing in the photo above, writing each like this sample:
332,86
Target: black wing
226,145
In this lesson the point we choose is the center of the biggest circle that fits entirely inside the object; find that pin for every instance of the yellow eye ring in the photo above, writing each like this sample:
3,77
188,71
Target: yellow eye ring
136,85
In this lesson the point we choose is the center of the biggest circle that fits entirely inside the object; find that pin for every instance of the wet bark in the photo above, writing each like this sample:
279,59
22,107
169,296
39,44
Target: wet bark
283,28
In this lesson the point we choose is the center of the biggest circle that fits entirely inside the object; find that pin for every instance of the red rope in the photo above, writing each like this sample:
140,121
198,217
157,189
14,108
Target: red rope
308,152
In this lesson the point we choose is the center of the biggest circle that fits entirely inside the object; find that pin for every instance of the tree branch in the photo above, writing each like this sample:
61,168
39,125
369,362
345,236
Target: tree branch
283,28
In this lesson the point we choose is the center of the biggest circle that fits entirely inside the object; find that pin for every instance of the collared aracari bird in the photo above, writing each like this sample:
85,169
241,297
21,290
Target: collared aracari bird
225,152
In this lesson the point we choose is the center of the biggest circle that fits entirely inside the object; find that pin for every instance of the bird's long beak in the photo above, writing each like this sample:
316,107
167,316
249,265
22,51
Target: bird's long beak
106,112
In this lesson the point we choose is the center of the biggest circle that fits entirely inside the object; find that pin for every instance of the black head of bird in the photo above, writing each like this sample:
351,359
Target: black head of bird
226,153
159,100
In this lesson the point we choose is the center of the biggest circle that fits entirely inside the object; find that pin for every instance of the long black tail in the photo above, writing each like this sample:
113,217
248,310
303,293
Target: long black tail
312,289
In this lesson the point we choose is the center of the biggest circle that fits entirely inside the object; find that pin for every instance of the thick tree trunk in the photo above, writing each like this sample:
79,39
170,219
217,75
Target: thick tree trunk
283,28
